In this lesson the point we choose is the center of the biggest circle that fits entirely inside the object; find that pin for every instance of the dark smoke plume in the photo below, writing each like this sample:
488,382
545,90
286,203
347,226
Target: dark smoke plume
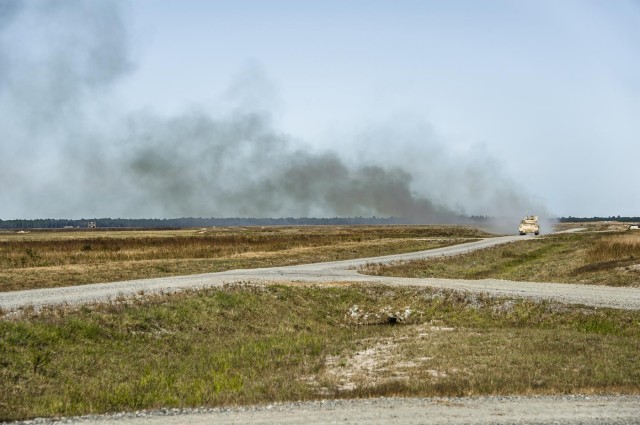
67,151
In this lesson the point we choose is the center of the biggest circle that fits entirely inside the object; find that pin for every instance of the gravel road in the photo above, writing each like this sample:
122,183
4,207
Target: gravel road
470,410
337,271
409,411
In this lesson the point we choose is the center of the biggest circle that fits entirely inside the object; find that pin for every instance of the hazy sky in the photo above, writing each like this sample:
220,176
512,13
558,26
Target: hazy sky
478,107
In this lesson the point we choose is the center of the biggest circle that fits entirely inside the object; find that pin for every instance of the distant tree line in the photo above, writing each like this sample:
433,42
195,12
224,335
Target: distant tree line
191,222
184,222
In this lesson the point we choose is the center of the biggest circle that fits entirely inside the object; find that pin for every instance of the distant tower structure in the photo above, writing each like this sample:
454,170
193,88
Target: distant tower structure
92,225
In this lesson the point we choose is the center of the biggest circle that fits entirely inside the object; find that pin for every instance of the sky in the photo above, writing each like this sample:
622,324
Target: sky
423,109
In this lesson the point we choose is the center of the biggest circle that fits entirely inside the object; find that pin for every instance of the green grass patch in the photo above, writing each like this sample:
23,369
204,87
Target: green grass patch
257,344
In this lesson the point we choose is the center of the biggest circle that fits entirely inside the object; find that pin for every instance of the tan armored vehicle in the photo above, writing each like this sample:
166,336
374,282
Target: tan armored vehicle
529,224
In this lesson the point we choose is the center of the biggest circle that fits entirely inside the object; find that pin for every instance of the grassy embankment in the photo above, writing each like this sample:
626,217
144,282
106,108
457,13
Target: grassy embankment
608,258
248,344
63,258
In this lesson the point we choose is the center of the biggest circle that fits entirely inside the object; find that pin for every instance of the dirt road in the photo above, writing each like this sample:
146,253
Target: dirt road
337,271
410,411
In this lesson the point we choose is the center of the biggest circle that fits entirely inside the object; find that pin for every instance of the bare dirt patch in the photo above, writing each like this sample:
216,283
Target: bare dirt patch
384,362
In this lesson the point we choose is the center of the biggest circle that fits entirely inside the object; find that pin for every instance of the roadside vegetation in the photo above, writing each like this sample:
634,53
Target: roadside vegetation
597,258
246,344
62,258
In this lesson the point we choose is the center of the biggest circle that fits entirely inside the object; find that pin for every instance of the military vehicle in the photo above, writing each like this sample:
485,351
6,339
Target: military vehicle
529,224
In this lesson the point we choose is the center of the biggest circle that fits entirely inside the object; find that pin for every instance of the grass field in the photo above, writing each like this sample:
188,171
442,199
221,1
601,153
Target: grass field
597,258
245,344
258,344
64,258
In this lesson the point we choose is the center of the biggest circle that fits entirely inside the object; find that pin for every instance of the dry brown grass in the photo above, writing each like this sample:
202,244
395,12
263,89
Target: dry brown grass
584,257
617,247
594,226
58,258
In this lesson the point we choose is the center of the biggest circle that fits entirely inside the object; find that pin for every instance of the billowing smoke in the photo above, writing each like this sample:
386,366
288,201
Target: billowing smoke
67,150
240,166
